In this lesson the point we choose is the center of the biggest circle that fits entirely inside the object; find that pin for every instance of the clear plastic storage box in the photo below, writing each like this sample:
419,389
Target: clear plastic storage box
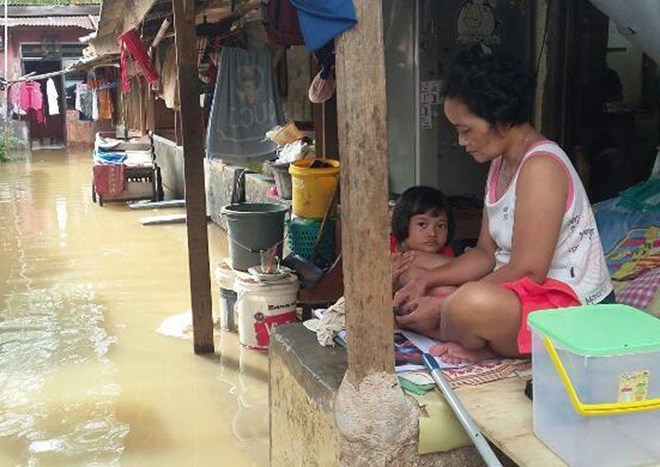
596,373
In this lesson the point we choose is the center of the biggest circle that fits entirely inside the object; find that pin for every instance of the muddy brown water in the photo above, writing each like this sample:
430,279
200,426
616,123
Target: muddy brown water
85,378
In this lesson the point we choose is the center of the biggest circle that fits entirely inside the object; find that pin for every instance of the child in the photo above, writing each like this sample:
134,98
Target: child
422,227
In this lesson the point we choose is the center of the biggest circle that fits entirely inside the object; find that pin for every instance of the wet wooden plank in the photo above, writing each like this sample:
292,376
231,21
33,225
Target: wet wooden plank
504,415
173,203
361,111
193,155
163,220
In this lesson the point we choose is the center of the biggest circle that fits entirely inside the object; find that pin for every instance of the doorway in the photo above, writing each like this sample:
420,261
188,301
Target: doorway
612,112
50,133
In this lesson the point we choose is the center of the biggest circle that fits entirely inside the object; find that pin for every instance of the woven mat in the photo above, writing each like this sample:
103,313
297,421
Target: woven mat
487,372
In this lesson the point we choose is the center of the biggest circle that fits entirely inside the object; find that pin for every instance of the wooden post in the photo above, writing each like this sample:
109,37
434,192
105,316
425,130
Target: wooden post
150,102
142,108
193,155
377,423
362,111
325,129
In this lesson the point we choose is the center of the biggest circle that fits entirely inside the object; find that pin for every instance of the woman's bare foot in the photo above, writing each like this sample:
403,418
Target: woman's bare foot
455,354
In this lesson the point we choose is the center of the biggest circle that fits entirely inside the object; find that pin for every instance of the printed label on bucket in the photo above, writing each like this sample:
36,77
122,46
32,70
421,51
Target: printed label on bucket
264,324
261,307
634,386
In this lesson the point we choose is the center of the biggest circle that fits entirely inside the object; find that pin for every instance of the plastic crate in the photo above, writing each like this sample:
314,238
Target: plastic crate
302,236
597,384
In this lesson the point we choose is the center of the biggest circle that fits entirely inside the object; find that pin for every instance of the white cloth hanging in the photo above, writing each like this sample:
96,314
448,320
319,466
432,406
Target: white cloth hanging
80,88
95,105
53,98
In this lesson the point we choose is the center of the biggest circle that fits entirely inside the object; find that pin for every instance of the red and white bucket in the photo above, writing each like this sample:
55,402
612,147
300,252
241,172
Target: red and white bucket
263,305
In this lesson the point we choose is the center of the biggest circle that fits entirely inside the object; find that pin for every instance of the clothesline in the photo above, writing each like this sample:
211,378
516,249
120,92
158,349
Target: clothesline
102,87
32,77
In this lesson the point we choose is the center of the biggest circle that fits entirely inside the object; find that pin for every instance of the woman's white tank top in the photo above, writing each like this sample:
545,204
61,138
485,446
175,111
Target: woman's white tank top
578,260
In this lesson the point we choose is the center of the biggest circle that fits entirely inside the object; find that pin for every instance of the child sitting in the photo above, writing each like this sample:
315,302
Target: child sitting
422,227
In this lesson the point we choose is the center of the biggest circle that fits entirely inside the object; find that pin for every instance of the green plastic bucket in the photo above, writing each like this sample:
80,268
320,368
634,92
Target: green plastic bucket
252,228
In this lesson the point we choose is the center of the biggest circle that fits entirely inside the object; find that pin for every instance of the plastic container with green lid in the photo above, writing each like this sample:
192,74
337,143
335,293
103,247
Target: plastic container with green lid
600,329
596,373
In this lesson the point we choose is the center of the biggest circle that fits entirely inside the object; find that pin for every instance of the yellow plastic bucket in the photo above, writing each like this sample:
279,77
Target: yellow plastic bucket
312,188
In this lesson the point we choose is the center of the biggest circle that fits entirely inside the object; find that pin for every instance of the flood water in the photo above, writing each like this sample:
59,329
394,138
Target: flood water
85,379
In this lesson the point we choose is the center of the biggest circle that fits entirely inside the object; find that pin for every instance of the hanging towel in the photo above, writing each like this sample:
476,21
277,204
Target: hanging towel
31,98
321,22
95,105
130,43
169,81
105,104
53,98
80,88
109,179
245,106
84,101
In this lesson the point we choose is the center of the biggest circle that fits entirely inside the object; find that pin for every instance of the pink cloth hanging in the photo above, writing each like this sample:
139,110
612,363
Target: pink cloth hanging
28,97
129,42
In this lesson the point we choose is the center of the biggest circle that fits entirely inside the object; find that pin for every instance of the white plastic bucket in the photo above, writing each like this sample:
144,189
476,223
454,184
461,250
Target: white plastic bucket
226,276
262,306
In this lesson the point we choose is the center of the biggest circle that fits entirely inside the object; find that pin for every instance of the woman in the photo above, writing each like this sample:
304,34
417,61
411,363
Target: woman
538,247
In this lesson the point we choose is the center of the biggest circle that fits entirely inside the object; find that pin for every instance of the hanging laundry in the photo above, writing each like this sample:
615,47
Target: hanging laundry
95,105
14,99
31,96
78,91
130,43
29,99
281,23
321,22
323,85
53,98
105,102
169,83
102,107
84,102
245,106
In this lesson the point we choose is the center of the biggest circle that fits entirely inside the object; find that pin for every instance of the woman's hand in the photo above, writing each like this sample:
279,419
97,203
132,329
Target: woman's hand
425,317
406,298
401,263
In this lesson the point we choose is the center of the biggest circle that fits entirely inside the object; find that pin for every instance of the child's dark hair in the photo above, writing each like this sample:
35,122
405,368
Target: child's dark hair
493,86
420,200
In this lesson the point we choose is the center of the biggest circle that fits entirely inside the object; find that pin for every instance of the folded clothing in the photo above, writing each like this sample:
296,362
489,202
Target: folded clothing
102,157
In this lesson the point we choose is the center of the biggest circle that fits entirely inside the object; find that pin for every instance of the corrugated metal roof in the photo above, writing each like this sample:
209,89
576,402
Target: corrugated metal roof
84,22
53,2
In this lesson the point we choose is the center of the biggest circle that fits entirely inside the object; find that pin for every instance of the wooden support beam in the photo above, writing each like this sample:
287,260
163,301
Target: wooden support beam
142,91
150,106
325,128
133,13
161,32
107,44
362,110
193,155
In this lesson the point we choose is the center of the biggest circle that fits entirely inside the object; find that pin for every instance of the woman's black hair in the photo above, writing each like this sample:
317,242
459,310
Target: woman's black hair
420,200
493,86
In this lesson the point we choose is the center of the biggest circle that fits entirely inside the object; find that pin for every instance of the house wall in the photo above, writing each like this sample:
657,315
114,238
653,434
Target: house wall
77,133
81,133
169,158
17,36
